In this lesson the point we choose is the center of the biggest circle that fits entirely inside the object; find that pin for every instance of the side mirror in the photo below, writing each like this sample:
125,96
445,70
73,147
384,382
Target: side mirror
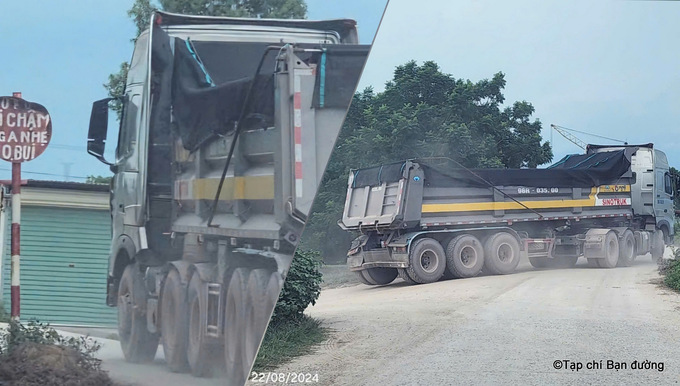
96,135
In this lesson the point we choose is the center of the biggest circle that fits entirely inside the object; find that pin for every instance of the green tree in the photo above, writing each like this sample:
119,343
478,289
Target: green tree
142,10
422,113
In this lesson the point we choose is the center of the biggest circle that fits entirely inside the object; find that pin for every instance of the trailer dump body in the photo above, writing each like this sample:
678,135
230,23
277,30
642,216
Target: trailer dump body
550,211
226,130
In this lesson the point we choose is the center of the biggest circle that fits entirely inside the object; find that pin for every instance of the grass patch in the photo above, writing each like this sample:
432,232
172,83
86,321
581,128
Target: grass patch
287,340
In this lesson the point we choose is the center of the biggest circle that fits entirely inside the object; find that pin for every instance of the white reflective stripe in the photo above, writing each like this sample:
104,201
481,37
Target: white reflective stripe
297,118
298,152
298,188
296,82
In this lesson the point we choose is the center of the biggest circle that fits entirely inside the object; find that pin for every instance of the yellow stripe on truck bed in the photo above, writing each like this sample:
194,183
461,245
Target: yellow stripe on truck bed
234,188
511,205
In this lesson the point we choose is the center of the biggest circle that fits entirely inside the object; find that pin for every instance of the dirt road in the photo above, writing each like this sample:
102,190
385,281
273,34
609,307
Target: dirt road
501,330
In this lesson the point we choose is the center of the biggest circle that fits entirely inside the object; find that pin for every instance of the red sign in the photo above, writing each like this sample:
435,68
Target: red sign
25,129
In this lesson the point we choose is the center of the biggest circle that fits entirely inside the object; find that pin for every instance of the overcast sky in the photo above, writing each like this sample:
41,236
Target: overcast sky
59,53
605,67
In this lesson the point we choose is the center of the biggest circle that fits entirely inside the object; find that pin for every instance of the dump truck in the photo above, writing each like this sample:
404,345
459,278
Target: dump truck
423,220
227,125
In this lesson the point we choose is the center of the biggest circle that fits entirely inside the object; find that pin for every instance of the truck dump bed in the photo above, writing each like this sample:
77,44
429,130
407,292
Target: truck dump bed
407,194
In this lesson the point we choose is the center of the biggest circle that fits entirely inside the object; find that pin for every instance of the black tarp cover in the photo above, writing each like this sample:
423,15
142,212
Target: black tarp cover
581,170
203,108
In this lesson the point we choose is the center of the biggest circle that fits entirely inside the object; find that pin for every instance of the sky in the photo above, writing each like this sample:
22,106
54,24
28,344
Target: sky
59,53
610,68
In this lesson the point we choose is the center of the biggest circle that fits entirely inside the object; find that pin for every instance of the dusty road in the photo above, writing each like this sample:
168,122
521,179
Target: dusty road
501,330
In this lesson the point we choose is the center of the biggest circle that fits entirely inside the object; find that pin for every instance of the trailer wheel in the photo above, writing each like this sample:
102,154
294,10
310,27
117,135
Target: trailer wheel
234,326
611,251
174,321
626,249
380,275
256,317
201,355
657,245
404,275
464,256
501,252
427,261
539,262
362,279
137,343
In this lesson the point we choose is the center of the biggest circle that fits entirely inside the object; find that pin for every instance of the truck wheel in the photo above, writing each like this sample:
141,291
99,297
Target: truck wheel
501,253
594,263
626,249
611,250
234,326
539,262
464,256
138,344
427,261
404,275
174,321
657,245
362,279
380,275
201,355
256,317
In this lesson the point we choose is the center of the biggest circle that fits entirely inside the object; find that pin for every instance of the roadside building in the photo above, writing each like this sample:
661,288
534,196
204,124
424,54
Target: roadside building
65,236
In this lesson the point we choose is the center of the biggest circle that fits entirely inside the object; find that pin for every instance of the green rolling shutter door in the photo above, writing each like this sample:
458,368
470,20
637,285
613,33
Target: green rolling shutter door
64,260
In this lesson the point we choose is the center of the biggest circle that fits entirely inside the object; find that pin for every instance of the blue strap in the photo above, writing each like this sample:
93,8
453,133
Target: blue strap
322,82
205,72
563,160
579,164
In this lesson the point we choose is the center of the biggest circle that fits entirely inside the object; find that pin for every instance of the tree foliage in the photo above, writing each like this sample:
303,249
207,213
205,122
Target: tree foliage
301,288
422,113
142,10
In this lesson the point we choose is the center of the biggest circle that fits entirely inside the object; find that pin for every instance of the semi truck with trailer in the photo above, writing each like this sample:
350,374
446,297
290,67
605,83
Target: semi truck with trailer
421,220
227,125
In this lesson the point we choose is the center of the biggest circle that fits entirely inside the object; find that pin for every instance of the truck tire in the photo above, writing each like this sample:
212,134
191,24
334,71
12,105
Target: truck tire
611,251
201,355
427,261
626,249
138,344
362,279
404,275
539,262
501,253
256,317
658,245
234,325
464,256
594,263
174,321
380,275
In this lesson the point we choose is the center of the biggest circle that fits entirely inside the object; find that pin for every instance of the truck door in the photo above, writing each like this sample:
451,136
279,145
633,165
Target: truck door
126,200
663,203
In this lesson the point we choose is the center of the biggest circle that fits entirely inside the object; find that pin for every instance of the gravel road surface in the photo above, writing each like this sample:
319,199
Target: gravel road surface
502,330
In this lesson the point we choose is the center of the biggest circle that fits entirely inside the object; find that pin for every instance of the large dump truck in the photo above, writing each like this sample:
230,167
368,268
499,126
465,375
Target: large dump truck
423,220
227,125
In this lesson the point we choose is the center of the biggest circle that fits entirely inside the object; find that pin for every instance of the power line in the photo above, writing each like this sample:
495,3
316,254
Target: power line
44,174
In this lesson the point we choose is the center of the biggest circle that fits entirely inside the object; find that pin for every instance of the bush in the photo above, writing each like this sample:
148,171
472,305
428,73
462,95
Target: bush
671,269
301,288
35,354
